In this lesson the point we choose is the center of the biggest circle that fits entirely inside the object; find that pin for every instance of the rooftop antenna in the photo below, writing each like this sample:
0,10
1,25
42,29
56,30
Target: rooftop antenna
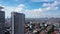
1,8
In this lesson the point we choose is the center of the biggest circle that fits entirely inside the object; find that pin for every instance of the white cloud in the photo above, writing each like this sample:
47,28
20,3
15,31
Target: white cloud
9,9
35,13
20,8
16,9
21,5
39,13
52,6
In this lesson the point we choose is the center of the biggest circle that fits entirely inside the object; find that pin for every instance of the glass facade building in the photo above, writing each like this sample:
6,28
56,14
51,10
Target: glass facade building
2,22
17,20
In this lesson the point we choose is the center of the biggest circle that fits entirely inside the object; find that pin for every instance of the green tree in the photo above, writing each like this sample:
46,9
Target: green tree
51,30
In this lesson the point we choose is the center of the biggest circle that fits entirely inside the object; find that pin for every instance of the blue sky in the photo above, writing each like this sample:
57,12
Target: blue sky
32,8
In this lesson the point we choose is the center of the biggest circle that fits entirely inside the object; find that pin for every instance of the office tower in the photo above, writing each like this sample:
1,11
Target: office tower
2,21
18,20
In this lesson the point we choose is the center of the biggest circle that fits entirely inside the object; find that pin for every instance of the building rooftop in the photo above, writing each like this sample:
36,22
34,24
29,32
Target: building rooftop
1,8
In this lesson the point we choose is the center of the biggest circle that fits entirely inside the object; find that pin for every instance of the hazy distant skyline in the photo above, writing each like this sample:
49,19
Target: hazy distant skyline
32,8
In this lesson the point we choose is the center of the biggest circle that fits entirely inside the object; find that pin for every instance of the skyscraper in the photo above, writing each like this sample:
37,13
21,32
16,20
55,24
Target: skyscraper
18,20
2,22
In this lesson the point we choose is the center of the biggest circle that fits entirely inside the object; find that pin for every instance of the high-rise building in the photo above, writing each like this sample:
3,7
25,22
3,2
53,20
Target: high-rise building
2,22
18,20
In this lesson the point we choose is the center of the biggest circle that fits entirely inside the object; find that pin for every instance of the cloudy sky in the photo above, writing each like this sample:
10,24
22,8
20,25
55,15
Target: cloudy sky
32,8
